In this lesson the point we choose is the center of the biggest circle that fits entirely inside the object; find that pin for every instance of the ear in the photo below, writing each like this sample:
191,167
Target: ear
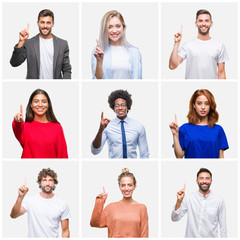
194,106
53,24
134,187
211,23
196,24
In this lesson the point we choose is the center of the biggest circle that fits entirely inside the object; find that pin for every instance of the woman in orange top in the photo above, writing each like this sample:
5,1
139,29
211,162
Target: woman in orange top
126,218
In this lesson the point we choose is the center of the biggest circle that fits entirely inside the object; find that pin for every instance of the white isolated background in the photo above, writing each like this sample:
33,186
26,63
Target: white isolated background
14,173
224,184
16,17
144,109
224,29
64,96
175,97
96,174
142,32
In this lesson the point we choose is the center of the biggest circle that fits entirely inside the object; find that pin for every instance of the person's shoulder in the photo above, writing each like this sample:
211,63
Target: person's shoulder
60,200
186,126
216,42
217,198
32,40
142,206
218,127
59,39
133,49
136,123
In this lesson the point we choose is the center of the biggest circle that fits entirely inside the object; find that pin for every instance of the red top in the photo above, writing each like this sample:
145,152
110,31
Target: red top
40,140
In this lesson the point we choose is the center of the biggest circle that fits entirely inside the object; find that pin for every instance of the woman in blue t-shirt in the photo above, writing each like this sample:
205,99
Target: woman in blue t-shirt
201,137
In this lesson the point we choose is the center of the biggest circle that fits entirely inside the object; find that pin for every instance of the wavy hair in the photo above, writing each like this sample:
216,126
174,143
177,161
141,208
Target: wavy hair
213,115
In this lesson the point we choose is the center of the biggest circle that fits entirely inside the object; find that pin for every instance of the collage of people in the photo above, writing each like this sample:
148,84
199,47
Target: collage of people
119,119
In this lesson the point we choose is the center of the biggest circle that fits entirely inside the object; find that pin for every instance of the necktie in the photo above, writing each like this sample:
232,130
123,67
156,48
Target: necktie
124,143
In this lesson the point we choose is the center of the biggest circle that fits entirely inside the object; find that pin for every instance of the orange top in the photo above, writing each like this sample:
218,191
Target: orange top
123,220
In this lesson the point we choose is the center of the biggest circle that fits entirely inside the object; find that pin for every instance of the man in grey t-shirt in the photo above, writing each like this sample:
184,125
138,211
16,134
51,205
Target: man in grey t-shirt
47,55
205,57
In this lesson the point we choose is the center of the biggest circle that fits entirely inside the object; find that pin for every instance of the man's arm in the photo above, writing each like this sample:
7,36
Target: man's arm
66,67
222,220
65,228
175,60
221,71
142,144
18,209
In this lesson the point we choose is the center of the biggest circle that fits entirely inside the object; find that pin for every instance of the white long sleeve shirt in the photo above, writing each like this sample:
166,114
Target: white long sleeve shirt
205,214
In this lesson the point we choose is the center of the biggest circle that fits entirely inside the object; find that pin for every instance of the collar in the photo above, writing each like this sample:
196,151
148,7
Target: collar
118,120
201,195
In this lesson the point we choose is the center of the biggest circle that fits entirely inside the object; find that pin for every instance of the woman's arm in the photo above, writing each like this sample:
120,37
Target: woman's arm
144,223
221,154
61,144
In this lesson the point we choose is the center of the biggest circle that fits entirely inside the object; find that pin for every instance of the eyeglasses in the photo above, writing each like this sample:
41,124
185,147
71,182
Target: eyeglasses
122,105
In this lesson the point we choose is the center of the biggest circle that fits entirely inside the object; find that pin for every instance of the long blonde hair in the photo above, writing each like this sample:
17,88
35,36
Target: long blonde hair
103,37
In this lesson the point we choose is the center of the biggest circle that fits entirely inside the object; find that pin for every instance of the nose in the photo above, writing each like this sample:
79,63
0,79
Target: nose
40,103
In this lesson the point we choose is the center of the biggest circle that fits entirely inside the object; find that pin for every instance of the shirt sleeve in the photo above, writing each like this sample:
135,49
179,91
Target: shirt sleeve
136,64
19,55
179,213
93,64
61,144
66,67
222,220
66,212
96,151
181,138
182,52
144,223
222,140
18,129
98,218
223,56
142,143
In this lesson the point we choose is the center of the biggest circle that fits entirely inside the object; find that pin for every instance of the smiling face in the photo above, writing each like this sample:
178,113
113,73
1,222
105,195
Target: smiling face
115,31
47,184
39,105
204,182
202,106
127,187
45,25
120,108
204,23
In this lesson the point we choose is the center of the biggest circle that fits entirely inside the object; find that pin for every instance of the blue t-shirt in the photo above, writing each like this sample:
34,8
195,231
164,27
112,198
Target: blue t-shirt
202,141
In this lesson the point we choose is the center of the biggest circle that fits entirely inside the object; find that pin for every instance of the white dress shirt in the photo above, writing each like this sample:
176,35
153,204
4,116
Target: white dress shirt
204,215
135,136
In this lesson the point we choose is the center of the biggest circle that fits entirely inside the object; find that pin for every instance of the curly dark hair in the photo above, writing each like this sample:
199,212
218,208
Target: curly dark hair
120,94
46,172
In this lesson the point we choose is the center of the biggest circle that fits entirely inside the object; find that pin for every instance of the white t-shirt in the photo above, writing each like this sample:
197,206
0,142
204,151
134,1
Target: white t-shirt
121,66
44,215
46,58
202,58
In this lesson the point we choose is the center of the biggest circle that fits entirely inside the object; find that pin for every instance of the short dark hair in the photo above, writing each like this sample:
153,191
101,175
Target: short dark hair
46,172
204,170
46,13
120,94
203,11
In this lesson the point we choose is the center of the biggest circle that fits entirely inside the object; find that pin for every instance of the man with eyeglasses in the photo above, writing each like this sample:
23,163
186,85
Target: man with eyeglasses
205,56
206,211
123,134
47,55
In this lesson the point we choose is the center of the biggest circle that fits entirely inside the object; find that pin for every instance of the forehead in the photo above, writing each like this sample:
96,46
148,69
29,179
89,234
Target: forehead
47,178
204,175
202,98
126,180
119,101
45,19
39,96
114,20
204,17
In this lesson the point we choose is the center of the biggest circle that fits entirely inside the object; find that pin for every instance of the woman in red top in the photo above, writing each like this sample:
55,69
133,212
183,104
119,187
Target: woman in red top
41,135
125,218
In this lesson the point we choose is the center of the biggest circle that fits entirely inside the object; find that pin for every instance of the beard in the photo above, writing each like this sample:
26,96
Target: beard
204,33
48,191
45,34
204,189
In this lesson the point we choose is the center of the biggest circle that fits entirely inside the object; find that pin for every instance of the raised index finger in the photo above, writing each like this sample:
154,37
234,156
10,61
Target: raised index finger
25,182
181,29
27,27
175,117
98,45
21,108
184,187
104,190
102,116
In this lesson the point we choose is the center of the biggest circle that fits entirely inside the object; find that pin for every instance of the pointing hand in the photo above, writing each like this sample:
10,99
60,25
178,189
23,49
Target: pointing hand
181,193
98,52
19,116
174,126
104,122
103,195
24,34
178,36
22,191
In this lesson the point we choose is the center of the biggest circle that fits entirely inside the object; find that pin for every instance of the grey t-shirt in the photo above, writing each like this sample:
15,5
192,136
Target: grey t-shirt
202,58
46,58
